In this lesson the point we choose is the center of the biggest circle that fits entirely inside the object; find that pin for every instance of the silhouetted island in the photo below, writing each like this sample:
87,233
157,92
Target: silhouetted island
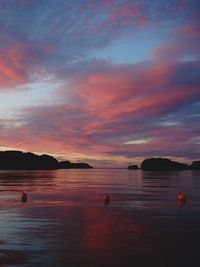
164,164
18,160
133,167
195,165
70,165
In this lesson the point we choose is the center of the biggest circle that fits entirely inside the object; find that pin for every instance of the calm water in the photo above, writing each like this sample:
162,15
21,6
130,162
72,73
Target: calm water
65,222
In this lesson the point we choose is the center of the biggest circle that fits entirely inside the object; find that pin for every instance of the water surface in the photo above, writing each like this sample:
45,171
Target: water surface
65,221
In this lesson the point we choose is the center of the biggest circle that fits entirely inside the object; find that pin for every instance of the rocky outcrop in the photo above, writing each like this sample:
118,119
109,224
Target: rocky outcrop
69,165
163,164
195,165
133,167
65,164
17,160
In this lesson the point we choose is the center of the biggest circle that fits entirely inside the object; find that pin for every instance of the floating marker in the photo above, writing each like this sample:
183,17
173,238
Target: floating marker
106,199
24,197
181,196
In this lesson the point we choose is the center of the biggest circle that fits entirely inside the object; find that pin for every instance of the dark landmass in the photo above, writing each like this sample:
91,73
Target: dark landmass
195,165
17,160
133,167
70,165
164,164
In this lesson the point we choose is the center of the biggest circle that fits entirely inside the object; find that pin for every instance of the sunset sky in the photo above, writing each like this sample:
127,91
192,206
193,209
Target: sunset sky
107,82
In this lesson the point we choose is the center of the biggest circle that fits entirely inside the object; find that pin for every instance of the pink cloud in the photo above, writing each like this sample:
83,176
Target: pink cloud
133,91
11,67
18,61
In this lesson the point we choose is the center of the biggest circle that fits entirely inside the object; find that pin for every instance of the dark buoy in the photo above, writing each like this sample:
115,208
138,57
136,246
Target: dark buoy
106,199
24,197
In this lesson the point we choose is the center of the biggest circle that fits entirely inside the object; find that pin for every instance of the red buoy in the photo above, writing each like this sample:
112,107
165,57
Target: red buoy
24,197
181,196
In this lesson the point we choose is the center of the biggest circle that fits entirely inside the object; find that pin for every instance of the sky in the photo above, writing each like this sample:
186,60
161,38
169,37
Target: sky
107,82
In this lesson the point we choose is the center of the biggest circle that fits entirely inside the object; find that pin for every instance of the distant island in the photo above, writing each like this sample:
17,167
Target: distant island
164,164
18,160
133,167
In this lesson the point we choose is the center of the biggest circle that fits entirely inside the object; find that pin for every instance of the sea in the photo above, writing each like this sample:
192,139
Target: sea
66,222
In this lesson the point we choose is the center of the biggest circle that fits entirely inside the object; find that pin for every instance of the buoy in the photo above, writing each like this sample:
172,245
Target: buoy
181,196
106,199
24,197
181,203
